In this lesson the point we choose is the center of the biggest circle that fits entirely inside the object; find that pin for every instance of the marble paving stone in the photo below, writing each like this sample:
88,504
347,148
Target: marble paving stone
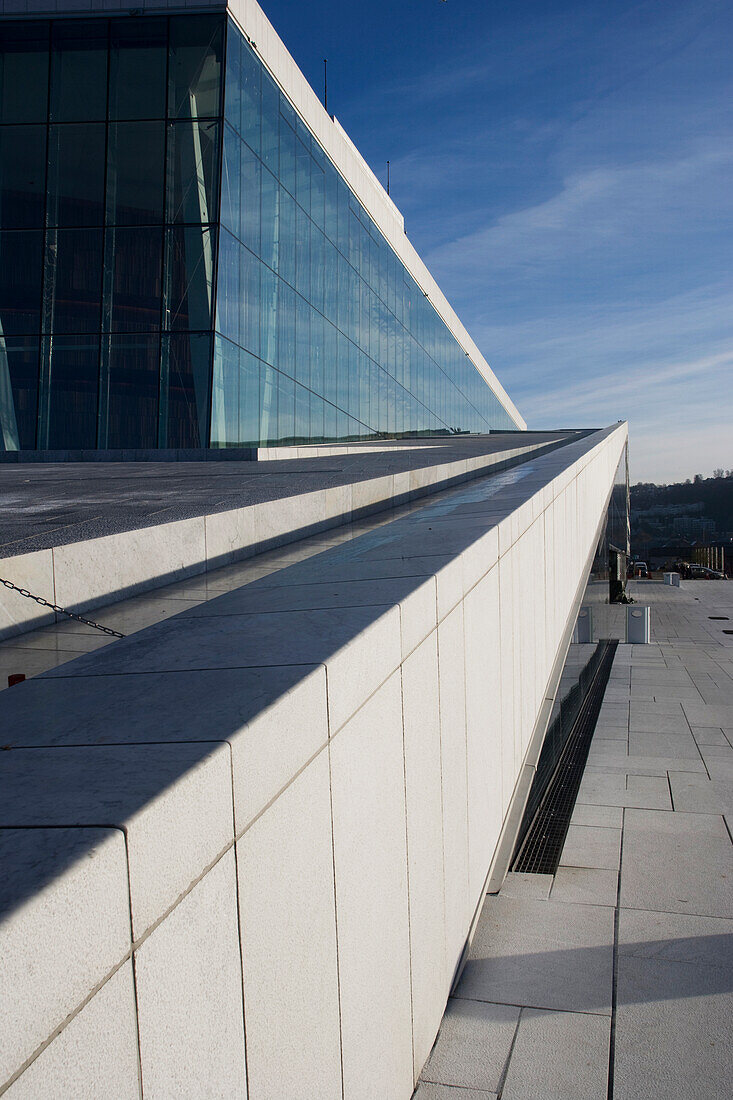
585,886
173,801
189,991
426,1090
668,724
96,1053
603,816
365,638
591,846
609,789
473,1045
519,884
289,951
687,1008
677,937
698,794
542,954
559,1054
677,746
676,862
64,924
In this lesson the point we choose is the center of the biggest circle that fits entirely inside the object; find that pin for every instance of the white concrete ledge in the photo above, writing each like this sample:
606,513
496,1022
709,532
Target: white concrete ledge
83,575
352,728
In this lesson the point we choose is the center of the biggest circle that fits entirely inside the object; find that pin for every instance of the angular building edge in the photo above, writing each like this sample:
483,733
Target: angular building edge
358,762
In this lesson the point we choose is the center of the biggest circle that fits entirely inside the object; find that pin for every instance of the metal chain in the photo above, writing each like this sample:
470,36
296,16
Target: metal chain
61,610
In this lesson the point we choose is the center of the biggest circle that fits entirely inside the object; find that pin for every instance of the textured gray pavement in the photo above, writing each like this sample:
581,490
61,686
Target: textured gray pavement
613,979
52,504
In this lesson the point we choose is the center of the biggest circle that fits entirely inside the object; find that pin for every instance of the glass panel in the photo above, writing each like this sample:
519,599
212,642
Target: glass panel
192,166
251,98
303,176
20,282
249,400
269,219
233,79
250,291
189,270
287,157
270,122
135,173
76,174
194,73
138,50
230,206
22,176
72,371
225,394
250,200
228,292
269,288
24,72
78,71
285,409
133,276
18,393
72,280
130,373
184,390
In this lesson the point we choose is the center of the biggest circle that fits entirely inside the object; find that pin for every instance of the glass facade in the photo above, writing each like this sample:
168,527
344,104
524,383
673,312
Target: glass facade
181,265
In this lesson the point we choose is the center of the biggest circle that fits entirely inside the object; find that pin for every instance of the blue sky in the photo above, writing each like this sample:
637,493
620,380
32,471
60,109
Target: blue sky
565,169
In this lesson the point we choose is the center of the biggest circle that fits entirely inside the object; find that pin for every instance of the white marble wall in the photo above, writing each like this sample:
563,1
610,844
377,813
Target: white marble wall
242,849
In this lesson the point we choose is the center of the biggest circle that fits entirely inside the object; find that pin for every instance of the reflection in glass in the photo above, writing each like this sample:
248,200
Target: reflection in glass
194,71
225,395
78,71
24,72
22,176
191,173
20,282
72,281
132,279
72,372
137,68
76,174
184,390
135,173
18,392
128,414
189,267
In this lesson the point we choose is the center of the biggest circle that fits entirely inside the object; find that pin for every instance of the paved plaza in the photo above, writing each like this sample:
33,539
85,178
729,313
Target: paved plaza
613,979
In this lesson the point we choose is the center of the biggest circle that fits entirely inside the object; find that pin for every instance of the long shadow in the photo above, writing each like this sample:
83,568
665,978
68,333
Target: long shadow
579,979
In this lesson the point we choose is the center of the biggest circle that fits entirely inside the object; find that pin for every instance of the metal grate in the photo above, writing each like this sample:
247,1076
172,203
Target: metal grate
541,838
722,618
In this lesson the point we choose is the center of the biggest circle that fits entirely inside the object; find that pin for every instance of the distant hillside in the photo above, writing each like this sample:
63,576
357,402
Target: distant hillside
715,494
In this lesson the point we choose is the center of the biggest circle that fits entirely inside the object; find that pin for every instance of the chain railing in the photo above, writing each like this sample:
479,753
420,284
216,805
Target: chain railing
61,610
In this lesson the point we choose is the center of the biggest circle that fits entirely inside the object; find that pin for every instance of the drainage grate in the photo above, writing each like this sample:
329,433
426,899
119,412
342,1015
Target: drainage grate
539,850
721,618
728,631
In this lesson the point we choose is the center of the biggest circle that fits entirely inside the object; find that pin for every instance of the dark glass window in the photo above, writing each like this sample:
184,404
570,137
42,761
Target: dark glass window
228,291
130,373
189,278
18,392
20,282
194,71
233,88
22,176
24,72
135,173
72,283
192,172
230,210
76,174
137,68
249,400
78,71
184,393
72,370
225,395
133,277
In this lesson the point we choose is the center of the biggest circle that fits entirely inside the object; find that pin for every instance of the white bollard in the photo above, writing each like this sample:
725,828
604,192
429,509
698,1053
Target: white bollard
638,625
672,578
583,632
